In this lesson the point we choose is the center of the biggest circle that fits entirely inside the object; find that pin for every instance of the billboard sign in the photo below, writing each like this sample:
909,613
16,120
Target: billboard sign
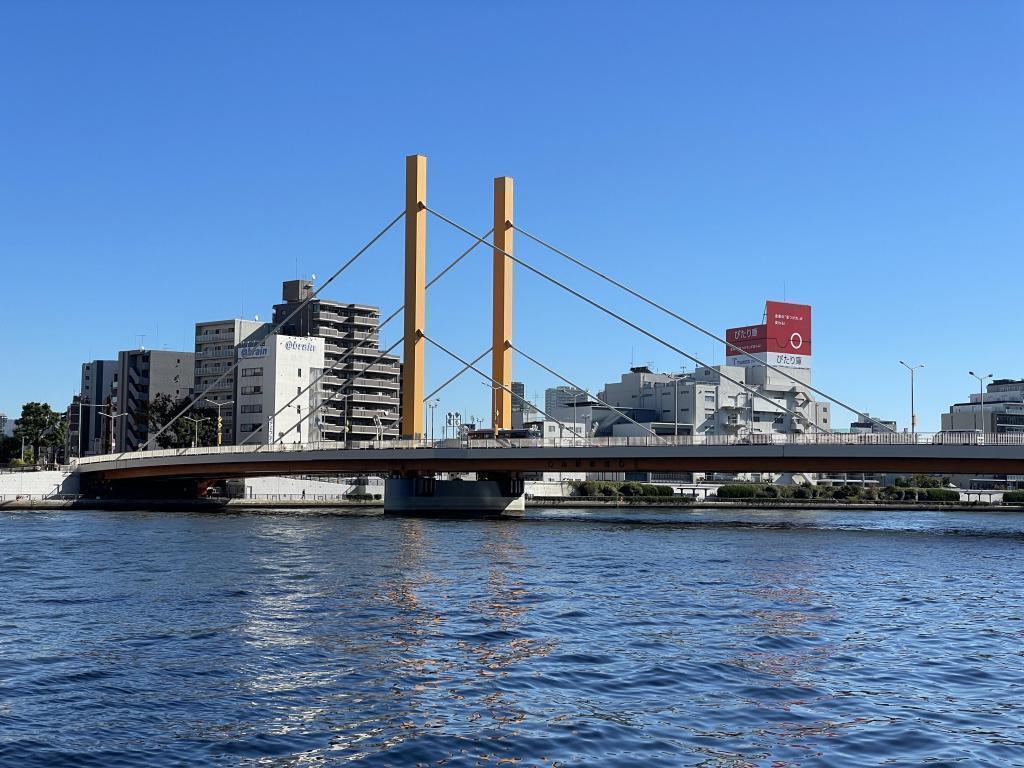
783,340
789,327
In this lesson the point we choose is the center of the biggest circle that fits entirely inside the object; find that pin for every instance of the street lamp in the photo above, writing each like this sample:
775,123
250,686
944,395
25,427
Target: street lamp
913,415
981,391
432,406
113,418
220,422
195,422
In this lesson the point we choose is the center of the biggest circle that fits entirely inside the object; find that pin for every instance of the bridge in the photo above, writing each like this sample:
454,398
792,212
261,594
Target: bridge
836,452
811,448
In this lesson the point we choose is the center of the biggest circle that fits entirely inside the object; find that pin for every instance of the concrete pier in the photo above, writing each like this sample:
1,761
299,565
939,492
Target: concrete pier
427,495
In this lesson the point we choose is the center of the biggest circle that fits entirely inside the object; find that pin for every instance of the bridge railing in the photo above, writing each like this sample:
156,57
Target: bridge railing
830,438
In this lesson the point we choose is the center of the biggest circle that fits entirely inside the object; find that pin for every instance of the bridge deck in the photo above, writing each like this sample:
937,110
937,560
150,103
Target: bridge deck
854,453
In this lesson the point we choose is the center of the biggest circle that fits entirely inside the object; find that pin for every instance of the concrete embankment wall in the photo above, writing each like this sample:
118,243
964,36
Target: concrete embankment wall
37,484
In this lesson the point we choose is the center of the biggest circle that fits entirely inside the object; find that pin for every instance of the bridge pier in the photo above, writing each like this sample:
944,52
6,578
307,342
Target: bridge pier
497,493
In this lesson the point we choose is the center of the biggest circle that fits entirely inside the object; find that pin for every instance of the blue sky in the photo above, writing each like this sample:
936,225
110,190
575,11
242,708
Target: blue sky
169,163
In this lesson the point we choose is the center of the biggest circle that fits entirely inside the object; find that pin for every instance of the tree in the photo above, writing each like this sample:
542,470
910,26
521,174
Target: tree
10,449
37,420
182,432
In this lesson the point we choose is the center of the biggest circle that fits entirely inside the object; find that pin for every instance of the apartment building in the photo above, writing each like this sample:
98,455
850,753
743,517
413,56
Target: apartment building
360,392
141,375
215,353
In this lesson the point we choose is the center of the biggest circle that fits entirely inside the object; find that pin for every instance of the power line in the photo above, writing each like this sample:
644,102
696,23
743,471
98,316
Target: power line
694,325
496,383
631,324
276,328
581,389
348,353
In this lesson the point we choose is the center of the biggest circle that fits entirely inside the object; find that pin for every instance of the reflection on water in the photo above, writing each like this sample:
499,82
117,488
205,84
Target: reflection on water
690,638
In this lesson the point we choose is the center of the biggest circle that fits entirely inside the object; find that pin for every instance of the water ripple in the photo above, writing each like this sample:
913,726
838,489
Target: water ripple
696,637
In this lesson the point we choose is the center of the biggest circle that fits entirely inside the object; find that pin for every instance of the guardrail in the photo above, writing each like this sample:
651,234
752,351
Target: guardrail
834,438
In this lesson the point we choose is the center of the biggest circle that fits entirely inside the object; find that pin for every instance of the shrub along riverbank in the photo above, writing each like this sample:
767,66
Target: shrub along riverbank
806,492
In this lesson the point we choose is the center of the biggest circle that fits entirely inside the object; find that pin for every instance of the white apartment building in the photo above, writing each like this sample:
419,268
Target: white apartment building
273,400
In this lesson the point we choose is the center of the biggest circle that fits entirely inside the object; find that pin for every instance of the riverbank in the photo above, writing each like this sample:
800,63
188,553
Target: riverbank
376,507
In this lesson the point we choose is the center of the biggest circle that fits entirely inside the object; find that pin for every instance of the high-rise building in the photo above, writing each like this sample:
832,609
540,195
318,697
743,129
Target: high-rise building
216,342
96,391
360,392
141,375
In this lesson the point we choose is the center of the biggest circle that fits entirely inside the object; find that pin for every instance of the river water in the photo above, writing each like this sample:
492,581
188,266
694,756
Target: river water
724,638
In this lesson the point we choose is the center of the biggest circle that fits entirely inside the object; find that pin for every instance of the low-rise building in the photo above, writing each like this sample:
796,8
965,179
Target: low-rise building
1002,410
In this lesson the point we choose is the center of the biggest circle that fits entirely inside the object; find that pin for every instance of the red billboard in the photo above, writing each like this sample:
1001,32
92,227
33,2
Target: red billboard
789,327
749,338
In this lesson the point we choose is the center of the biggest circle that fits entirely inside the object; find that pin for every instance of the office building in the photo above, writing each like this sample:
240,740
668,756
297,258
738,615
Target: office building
142,375
278,391
96,390
216,342
1002,410
360,392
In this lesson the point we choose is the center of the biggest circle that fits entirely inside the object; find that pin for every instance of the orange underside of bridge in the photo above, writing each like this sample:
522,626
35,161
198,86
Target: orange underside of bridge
932,465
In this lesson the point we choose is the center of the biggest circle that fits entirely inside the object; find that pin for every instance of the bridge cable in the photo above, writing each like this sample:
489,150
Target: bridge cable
581,389
348,353
631,324
276,328
465,368
694,325
496,383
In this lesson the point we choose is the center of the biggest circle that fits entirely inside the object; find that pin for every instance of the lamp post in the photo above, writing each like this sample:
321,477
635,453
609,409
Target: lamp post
220,422
113,417
981,392
913,414
195,422
432,406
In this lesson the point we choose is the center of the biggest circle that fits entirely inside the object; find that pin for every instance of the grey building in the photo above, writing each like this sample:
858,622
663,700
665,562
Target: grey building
872,426
562,397
360,393
141,375
1003,409
706,402
216,342
96,391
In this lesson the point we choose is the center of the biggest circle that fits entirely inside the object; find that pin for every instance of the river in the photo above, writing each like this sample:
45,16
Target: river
677,638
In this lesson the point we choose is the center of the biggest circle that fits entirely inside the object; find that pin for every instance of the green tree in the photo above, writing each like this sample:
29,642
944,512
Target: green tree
182,432
37,420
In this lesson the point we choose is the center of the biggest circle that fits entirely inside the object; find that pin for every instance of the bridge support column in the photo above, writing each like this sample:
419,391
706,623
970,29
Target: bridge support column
415,294
497,494
501,352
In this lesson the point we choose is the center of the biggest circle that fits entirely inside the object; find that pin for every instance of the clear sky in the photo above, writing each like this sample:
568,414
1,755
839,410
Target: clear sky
165,163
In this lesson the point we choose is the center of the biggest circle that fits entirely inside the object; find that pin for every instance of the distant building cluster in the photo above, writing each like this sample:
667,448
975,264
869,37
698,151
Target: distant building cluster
321,377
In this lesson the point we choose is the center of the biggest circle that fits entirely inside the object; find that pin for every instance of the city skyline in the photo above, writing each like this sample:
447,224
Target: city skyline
222,178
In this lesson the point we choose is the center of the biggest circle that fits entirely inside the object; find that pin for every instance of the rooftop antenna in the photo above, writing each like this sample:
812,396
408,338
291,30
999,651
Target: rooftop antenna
142,338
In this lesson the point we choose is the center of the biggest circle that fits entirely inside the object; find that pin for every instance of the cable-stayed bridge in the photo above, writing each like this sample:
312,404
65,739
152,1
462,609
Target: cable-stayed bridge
415,461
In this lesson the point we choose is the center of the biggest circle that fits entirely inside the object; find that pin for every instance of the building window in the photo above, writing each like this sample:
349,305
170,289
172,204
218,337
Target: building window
256,389
247,428
252,371
300,373
253,408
